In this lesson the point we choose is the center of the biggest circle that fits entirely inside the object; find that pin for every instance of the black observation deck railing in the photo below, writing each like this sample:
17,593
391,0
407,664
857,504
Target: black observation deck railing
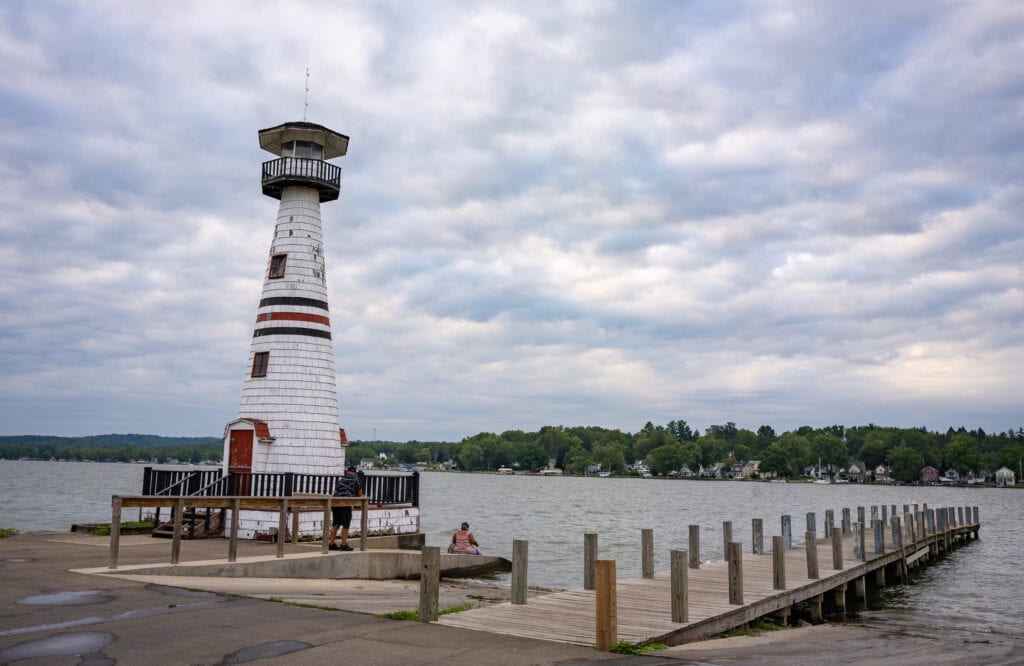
384,488
304,172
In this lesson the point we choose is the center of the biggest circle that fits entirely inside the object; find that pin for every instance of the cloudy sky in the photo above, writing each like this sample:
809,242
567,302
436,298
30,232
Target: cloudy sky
578,213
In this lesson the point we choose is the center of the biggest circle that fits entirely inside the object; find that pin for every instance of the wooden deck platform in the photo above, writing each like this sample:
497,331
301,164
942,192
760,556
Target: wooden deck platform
643,606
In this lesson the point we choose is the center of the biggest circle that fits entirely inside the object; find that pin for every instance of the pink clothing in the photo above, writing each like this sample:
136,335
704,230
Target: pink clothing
463,542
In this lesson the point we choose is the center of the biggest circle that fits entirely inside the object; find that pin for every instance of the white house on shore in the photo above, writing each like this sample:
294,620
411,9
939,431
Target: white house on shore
1005,478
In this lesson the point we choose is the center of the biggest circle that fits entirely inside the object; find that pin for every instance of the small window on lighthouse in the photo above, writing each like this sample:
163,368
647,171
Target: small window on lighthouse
277,263
308,149
260,360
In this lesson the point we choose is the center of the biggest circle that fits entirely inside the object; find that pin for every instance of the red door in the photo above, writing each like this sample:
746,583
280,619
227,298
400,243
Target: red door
240,452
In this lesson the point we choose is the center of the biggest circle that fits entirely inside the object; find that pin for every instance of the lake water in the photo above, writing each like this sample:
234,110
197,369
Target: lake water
977,589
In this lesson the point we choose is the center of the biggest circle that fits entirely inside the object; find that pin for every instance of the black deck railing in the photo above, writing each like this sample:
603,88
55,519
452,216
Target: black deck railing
286,171
384,488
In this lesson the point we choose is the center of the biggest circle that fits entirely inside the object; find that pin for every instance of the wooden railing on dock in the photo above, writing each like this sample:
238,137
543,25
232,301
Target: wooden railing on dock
703,600
282,505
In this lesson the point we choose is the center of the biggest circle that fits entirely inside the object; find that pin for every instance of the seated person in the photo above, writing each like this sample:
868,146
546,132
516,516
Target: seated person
464,542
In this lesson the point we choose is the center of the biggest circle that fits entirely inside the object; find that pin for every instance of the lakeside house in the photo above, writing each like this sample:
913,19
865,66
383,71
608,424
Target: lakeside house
857,472
1005,478
929,475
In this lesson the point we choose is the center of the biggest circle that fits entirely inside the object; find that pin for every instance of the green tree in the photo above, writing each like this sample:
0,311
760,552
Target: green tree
665,459
830,450
775,460
470,456
873,450
905,464
765,437
962,454
610,456
576,460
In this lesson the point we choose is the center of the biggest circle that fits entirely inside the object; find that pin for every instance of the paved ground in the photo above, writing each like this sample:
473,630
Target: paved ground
51,615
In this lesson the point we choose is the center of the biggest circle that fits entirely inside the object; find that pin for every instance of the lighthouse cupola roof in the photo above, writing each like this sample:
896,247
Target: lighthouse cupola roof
281,140
302,149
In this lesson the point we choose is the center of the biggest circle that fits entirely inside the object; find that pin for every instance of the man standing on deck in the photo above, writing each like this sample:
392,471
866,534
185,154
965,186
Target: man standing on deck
347,486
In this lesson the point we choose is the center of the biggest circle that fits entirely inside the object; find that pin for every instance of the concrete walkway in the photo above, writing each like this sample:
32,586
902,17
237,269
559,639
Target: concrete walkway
51,612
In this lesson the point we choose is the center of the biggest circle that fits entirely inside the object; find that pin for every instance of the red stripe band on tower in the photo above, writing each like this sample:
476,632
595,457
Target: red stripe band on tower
293,316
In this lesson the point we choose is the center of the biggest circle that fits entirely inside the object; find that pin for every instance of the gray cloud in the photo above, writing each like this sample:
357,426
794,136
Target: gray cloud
551,212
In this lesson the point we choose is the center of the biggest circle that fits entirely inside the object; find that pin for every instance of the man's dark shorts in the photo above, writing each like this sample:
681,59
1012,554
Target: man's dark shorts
341,515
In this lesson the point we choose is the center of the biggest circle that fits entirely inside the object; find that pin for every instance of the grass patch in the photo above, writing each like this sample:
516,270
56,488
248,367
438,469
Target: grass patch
625,647
414,615
755,628
132,527
7,532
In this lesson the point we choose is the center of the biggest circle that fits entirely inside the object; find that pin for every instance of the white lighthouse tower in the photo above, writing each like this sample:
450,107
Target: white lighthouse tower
288,416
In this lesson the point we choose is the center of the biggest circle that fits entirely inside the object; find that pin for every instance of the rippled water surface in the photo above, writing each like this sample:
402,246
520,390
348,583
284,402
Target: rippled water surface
977,588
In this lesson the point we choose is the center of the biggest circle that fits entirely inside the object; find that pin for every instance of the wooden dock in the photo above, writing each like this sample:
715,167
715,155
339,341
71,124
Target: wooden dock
642,610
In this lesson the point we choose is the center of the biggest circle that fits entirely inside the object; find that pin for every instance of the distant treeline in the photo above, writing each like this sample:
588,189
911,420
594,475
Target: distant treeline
112,448
668,447
663,448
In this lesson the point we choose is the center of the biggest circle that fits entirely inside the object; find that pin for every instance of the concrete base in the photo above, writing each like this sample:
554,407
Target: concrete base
371,564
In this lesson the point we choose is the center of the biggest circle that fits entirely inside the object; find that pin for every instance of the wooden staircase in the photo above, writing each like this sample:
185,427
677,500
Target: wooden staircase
195,524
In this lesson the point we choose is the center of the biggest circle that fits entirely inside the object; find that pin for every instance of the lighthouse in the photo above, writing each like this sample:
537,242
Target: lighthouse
288,415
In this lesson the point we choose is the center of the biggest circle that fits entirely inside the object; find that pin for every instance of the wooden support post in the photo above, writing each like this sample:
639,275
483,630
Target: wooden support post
782,616
757,537
880,576
879,531
787,532
812,524
589,557
179,511
364,523
282,526
892,511
839,597
325,538
520,551
295,525
115,530
811,548
846,521
885,514
858,542
695,546
726,538
734,555
860,587
816,603
830,522
897,542
778,563
680,586
647,552
606,605
236,510
430,582
860,515
874,514
837,548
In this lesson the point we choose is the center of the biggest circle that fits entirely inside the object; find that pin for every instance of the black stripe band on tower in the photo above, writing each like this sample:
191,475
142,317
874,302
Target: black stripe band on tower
290,330
293,300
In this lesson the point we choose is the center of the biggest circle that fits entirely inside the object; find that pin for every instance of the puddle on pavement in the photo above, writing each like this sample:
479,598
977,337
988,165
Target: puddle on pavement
79,598
264,651
84,644
17,559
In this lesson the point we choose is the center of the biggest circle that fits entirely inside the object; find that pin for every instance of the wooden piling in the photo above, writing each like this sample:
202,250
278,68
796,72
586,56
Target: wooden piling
830,522
520,559
816,610
325,538
606,612
757,537
787,532
282,527
726,538
837,548
236,512
115,531
179,511
778,563
858,542
811,548
846,521
430,582
812,523
860,587
680,586
734,554
839,597
647,552
589,558
885,514
694,546
879,530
